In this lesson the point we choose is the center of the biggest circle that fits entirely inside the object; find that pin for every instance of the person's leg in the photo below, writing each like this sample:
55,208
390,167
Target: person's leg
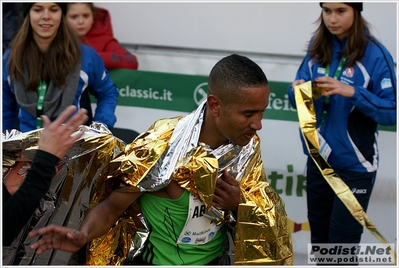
344,228
320,199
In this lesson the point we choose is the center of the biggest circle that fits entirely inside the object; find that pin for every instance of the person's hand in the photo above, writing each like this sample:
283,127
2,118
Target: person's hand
59,136
333,86
58,237
295,83
227,193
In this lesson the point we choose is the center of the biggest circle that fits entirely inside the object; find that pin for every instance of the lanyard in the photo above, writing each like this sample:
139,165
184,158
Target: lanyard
336,74
339,68
41,92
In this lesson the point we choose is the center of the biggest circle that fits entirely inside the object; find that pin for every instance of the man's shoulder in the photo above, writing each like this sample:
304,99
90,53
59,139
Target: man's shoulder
166,123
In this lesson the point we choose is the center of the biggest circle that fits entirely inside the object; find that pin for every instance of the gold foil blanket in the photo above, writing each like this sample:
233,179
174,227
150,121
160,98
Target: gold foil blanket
130,167
80,173
304,95
262,231
168,150
99,163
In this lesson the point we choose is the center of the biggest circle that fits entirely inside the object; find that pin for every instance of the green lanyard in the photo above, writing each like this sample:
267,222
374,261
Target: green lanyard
337,72
41,92
339,68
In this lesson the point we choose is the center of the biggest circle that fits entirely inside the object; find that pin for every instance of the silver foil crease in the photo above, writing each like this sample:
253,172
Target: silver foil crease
82,172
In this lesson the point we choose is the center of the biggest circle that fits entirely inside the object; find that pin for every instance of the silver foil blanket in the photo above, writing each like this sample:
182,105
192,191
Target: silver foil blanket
79,174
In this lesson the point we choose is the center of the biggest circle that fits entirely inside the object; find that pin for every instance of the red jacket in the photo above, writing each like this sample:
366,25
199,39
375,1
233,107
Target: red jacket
102,39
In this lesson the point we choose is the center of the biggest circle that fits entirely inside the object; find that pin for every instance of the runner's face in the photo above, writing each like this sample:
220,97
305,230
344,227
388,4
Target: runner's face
80,18
238,122
338,18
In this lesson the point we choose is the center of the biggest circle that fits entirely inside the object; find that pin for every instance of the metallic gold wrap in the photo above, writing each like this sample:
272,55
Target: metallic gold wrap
82,172
197,172
170,150
131,167
140,156
304,95
262,231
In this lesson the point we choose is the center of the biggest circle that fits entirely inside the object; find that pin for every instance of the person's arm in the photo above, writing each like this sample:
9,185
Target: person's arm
378,101
107,212
54,142
10,106
102,88
113,54
116,56
19,207
97,222
377,98
302,75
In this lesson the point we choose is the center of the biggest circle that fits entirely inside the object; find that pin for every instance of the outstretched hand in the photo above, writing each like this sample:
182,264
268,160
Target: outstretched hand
59,136
57,237
227,193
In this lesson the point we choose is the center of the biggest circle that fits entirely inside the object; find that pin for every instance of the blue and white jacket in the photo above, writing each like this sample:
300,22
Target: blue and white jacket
93,77
350,126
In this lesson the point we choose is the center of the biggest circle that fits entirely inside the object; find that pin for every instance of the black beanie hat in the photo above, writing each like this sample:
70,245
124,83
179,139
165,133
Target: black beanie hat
355,5
26,7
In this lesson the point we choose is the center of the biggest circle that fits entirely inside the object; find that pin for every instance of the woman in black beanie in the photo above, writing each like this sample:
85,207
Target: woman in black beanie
358,75
26,7
46,69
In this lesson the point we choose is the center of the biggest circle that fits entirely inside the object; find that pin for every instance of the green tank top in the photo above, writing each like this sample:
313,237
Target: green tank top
166,219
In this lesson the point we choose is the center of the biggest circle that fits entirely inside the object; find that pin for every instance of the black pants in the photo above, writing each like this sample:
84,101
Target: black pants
330,221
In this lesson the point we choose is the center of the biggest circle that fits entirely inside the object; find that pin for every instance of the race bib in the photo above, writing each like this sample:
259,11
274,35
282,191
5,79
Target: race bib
198,229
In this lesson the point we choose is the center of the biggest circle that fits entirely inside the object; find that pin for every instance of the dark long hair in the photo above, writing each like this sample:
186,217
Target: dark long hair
320,48
55,64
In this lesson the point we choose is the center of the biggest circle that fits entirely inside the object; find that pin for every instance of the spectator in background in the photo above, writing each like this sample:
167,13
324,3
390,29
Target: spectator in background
358,74
21,195
93,26
46,69
11,22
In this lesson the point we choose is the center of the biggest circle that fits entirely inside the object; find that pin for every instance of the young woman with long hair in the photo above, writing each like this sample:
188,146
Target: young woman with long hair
358,74
46,69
